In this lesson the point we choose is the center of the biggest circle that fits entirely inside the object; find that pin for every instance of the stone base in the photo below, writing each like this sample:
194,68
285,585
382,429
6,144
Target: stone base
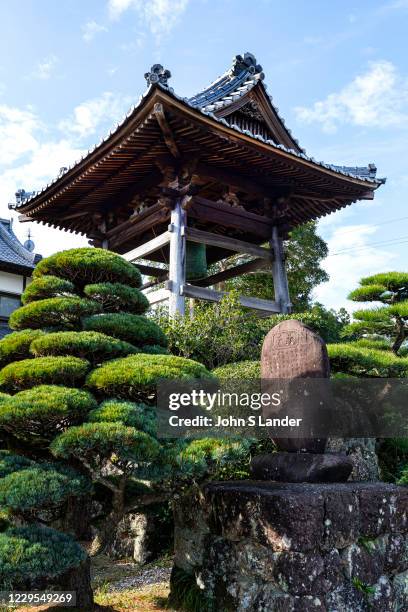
262,547
301,467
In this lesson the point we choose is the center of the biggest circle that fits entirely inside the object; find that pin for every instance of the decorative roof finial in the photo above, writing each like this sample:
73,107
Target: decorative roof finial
29,244
248,63
157,74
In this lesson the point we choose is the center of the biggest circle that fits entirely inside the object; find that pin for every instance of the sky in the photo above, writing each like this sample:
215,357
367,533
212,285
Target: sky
338,71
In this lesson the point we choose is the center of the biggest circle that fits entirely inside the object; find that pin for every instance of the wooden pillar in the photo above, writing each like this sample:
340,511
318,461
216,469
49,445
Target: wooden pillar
177,262
280,279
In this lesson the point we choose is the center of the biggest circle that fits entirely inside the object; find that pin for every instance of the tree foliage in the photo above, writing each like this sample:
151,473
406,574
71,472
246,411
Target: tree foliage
136,329
116,297
47,287
389,318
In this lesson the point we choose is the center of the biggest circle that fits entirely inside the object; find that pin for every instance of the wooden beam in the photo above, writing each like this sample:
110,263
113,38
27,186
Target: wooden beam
25,219
211,295
149,247
224,242
233,272
208,211
177,260
155,297
151,270
166,130
155,219
280,279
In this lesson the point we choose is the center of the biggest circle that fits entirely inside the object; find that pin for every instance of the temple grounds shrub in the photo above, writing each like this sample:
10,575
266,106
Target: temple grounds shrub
65,312
84,266
69,371
136,329
47,287
40,413
116,297
41,487
131,414
135,377
30,553
361,361
90,345
243,370
16,345
92,441
10,463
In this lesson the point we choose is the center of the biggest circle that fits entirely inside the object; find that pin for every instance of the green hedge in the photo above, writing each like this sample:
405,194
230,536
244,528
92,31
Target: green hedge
47,287
136,329
361,361
90,345
91,441
41,487
139,416
84,266
63,312
16,346
42,412
116,297
243,370
136,377
30,553
68,371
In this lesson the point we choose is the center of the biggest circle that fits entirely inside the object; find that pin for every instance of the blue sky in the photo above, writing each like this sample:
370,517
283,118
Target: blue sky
337,71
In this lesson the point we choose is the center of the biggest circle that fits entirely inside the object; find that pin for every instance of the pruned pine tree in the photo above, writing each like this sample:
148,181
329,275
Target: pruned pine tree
77,401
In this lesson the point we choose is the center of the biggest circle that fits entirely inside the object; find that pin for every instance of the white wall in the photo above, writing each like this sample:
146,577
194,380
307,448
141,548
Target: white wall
11,283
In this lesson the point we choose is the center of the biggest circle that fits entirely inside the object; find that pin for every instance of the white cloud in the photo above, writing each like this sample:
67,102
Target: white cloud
350,258
91,29
160,16
17,133
89,115
376,98
45,68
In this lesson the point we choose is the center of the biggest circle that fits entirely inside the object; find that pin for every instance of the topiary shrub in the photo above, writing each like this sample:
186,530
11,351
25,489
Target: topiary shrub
16,345
90,345
31,553
10,463
361,361
136,329
136,377
38,414
41,487
84,266
115,297
128,413
243,370
70,371
62,313
47,287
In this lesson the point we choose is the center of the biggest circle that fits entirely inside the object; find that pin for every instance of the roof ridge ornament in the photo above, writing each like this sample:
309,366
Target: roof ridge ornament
248,63
157,74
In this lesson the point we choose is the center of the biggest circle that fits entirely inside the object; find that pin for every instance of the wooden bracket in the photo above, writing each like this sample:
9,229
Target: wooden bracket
166,130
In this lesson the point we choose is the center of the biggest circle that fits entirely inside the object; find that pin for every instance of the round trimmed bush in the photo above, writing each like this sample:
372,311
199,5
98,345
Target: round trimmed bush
136,377
30,553
136,329
89,345
42,412
116,297
92,440
86,265
361,361
47,287
64,312
41,487
16,345
68,371
242,370
367,293
140,415
10,463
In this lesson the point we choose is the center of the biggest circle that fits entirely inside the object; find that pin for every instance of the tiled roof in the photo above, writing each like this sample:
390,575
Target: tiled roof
12,253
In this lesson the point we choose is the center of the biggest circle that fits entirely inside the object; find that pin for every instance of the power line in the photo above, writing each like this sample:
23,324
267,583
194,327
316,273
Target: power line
399,240
379,224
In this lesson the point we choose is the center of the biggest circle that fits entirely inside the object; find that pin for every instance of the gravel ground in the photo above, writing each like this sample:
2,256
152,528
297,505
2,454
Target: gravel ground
155,575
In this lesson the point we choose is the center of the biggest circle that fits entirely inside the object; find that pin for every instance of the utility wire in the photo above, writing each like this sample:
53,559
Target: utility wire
399,240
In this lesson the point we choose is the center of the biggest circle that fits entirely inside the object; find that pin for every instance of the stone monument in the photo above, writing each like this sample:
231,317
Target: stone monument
311,543
291,353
